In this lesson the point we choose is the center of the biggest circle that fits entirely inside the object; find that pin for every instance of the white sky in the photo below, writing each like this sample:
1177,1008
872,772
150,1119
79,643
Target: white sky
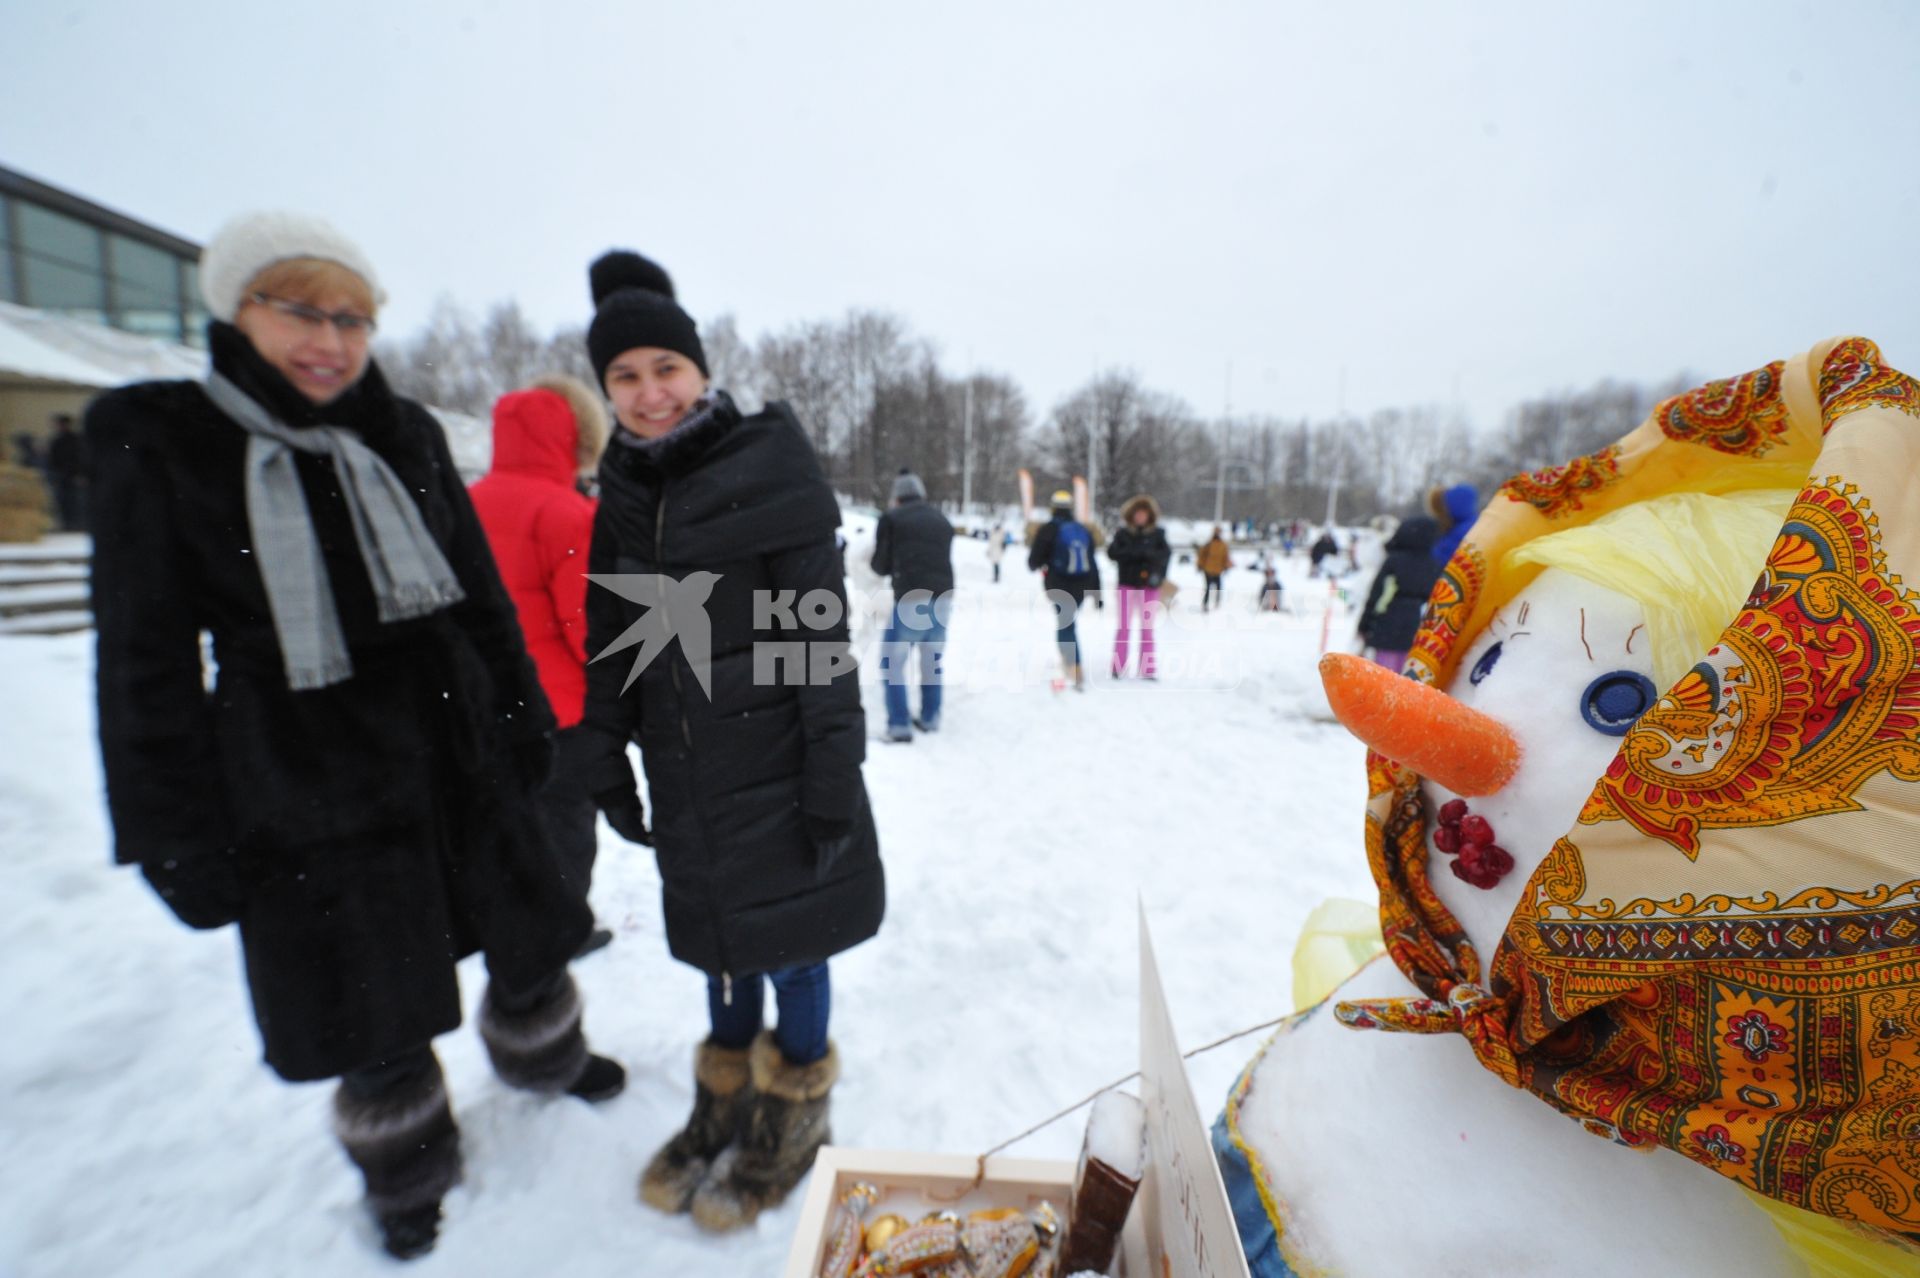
1484,199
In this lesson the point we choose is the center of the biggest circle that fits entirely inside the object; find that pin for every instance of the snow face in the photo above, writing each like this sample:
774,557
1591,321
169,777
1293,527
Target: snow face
1532,669
1400,1153
141,1135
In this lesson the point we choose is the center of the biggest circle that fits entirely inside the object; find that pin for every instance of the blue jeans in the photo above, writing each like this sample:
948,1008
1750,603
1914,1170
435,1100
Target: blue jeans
802,996
919,621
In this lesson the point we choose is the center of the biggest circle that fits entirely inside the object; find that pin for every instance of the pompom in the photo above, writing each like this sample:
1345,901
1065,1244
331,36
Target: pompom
623,268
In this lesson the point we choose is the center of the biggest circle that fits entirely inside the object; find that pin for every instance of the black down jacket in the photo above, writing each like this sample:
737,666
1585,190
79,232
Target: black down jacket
379,825
913,544
1391,616
746,749
1140,554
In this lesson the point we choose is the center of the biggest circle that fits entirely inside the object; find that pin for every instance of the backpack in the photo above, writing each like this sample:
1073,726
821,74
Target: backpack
1072,551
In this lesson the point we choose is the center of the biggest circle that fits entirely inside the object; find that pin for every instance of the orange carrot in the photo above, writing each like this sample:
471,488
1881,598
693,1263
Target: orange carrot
1420,727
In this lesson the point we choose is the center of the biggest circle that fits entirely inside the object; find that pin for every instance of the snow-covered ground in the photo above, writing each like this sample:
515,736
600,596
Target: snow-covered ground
139,1134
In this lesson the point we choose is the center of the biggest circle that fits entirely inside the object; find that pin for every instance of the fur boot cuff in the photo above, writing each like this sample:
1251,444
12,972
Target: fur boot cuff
721,1070
541,1048
776,1076
404,1143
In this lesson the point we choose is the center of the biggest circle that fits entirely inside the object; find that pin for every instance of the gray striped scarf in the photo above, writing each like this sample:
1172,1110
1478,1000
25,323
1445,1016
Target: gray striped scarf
410,576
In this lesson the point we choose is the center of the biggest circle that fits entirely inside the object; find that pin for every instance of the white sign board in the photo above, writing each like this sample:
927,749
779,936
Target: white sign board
1189,1226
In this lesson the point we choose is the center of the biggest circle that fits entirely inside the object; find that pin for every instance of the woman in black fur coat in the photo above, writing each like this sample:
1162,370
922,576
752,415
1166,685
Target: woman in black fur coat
348,778
718,631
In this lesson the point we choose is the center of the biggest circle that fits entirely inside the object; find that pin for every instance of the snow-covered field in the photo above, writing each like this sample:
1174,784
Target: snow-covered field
140,1134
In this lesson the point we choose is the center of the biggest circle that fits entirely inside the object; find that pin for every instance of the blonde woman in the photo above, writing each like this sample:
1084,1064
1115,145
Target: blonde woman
354,786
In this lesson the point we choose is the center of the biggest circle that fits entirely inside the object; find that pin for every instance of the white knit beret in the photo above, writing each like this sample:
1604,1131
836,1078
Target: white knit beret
252,242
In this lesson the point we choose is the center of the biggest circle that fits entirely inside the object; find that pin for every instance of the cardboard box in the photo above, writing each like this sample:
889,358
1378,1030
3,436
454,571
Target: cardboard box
911,1185
1180,1217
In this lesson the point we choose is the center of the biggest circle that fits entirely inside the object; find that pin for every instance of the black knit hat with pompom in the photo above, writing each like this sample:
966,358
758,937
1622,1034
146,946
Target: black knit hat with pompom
634,306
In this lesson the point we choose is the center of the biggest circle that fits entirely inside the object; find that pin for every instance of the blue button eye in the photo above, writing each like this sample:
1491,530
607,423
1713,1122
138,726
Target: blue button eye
1614,702
1484,667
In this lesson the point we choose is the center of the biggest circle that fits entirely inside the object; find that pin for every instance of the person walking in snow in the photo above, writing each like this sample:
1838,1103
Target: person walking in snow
913,544
1324,548
718,527
1454,509
538,522
356,789
1062,552
65,463
1213,561
1398,596
1140,554
997,542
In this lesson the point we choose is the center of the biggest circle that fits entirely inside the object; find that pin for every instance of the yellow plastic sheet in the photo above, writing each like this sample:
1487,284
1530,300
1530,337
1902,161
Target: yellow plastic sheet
1340,937
1832,1249
1688,559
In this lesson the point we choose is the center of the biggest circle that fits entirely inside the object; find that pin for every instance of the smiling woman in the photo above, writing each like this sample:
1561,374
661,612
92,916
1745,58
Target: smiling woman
355,791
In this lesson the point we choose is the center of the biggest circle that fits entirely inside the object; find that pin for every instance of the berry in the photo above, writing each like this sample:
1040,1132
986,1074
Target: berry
1498,860
1476,829
1447,839
1452,810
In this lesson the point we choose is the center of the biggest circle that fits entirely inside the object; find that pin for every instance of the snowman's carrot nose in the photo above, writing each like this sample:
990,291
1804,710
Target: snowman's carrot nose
1420,727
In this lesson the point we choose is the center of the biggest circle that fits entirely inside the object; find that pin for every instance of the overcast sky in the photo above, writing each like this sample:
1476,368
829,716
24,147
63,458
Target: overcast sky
1474,201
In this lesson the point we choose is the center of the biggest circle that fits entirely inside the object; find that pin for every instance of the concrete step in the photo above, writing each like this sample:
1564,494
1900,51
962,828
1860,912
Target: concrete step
46,623
65,596
47,574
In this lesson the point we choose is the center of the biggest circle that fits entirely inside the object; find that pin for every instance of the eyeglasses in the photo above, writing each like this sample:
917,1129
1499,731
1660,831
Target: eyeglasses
349,324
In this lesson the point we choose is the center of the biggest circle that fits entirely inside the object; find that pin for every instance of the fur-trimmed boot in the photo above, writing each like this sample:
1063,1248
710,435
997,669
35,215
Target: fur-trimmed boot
786,1124
536,1043
405,1143
722,1088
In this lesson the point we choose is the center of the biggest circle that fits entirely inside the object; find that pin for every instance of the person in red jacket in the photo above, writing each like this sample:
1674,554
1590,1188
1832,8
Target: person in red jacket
539,524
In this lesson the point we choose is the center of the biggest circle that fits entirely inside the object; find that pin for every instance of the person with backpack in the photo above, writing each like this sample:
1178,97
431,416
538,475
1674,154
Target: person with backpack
913,544
1398,596
1141,553
1063,553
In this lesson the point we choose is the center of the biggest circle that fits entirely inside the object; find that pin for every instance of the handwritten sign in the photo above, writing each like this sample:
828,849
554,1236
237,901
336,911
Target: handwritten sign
1189,1226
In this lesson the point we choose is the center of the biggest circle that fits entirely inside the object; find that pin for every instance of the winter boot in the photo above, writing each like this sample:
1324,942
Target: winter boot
722,1088
404,1142
535,1043
786,1124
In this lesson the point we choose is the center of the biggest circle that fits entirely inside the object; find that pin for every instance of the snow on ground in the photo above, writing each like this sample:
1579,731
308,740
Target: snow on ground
142,1135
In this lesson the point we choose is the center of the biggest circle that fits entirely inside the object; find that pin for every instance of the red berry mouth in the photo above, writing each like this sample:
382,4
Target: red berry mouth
1468,838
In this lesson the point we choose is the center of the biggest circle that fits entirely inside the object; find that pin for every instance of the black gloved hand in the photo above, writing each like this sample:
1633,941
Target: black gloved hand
830,840
204,891
533,761
624,813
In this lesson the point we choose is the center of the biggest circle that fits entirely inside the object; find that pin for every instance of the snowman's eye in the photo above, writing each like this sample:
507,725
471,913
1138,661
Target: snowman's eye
1484,667
1614,702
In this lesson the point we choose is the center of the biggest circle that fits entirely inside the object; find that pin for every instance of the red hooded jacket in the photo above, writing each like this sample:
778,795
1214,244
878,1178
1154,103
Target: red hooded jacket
539,526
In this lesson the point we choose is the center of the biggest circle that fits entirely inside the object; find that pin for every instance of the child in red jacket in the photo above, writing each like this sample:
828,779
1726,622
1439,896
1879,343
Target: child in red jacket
539,524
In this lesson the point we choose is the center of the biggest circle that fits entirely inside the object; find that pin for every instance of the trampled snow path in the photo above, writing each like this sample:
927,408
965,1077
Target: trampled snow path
142,1136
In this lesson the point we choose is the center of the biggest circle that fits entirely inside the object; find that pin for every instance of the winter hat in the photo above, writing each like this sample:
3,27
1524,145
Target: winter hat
1062,499
634,306
251,242
907,487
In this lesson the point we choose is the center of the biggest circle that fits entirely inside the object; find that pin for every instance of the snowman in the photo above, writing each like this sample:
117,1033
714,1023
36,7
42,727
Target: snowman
1600,606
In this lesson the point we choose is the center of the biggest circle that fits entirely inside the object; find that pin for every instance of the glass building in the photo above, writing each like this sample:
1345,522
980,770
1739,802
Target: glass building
67,255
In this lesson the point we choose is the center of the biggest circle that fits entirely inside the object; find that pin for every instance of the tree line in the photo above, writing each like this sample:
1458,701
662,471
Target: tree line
875,397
